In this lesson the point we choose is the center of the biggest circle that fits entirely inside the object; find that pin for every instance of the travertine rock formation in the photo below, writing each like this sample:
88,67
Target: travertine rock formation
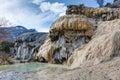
103,46
83,35
65,35
104,14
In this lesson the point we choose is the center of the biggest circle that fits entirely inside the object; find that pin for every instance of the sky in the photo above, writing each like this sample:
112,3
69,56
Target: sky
38,14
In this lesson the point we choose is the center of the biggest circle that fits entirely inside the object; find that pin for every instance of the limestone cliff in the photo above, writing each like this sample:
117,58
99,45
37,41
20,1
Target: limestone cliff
8,33
26,46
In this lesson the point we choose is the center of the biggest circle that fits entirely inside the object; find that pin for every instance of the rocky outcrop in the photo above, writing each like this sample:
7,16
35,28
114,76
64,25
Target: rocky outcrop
65,35
103,14
26,46
83,35
103,46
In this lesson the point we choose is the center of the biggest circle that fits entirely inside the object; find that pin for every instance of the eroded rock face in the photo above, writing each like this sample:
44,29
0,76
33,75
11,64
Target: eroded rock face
104,14
103,46
26,45
84,35
65,35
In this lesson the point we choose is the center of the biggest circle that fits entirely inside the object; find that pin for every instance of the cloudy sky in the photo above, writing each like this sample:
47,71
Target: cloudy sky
38,14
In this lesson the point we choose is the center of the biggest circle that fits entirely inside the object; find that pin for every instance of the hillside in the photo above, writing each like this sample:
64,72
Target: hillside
8,34
12,33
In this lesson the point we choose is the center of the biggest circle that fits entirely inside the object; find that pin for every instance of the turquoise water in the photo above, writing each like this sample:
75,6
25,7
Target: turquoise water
28,67
25,67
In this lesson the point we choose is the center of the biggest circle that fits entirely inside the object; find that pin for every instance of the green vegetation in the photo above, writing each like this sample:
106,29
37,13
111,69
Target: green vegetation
5,46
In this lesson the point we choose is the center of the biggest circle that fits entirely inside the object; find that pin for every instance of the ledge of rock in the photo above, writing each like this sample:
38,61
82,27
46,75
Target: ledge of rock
71,23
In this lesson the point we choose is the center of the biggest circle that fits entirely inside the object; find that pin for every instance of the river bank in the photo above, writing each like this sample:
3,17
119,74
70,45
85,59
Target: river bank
108,70
25,71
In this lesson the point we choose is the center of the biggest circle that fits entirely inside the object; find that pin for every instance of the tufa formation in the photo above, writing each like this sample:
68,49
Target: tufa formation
83,35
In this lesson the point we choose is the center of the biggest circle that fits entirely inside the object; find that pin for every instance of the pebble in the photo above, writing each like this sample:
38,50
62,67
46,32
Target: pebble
11,75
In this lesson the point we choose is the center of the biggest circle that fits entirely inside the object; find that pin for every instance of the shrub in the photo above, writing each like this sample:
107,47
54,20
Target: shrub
5,46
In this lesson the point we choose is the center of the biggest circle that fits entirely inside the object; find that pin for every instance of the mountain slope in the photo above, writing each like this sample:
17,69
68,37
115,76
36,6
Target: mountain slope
11,33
